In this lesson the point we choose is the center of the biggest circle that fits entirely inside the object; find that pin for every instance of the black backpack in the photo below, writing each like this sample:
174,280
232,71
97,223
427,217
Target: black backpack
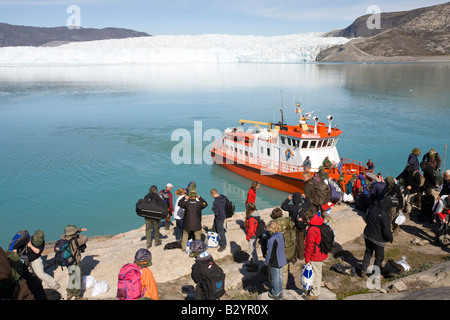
260,228
229,208
327,238
213,281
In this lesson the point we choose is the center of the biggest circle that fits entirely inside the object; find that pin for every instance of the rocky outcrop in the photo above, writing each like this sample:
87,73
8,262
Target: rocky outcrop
420,34
13,36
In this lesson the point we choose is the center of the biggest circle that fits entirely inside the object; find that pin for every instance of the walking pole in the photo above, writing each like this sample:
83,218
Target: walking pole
445,152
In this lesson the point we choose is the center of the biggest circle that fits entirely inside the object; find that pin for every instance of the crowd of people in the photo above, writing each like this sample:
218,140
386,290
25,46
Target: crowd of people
283,241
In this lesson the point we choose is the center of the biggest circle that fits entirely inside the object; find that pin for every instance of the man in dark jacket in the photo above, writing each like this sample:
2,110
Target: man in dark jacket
149,222
376,233
219,218
393,191
297,214
192,221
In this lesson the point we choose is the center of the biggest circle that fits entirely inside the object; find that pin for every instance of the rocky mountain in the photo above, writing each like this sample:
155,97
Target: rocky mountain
13,36
419,34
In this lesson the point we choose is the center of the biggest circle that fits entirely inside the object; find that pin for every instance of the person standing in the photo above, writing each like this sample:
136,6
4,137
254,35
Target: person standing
446,184
218,208
193,205
252,219
151,222
393,191
77,245
313,254
251,195
178,214
166,195
412,190
413,158
297,214
275,260
370,165
376,233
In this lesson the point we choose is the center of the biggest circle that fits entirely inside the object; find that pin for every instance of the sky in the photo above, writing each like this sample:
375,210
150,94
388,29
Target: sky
193,17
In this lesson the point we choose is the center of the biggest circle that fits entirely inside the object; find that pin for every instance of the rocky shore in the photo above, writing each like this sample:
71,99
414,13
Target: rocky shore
171,268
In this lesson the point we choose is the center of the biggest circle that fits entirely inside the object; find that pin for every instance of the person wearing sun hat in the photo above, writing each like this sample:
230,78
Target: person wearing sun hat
77,245
35,248
143,258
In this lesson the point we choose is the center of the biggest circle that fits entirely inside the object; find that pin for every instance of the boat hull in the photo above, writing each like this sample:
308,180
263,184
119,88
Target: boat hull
290,184
287,182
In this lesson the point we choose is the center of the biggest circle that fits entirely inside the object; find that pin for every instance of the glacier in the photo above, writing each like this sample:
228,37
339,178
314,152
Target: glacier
207,48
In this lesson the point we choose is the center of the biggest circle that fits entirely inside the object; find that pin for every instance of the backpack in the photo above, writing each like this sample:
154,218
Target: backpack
363,189
349,187
229,209
287,228
213,283
19,242
129,285
260,228
336,191
443,235
64,256
321,193
326,238
164,194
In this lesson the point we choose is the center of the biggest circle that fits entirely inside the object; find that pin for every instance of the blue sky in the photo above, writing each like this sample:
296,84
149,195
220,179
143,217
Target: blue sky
176,17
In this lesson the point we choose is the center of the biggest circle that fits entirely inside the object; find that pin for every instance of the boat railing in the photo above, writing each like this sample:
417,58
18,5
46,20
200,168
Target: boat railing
349,165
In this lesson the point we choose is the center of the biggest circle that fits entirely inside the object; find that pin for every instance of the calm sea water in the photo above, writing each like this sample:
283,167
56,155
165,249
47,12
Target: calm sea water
80,145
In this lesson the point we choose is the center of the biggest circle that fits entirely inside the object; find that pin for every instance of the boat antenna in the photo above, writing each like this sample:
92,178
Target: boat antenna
282,115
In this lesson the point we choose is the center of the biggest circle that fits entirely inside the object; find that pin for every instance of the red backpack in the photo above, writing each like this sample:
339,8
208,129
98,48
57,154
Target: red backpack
129,286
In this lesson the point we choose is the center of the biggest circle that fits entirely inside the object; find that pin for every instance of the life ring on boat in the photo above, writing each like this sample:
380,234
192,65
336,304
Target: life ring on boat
289,153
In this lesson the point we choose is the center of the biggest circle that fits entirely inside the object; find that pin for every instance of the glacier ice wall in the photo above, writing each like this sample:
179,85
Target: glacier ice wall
208,48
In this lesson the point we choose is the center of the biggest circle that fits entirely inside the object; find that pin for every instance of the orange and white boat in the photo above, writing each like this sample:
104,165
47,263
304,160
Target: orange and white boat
274,154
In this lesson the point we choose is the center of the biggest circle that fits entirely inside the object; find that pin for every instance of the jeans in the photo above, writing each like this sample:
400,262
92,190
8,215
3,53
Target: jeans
276,281
220,230
178,229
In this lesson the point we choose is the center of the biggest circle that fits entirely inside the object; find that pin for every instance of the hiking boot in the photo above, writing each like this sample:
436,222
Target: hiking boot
69,296
221,249
279,297
158,243
149,245
310,297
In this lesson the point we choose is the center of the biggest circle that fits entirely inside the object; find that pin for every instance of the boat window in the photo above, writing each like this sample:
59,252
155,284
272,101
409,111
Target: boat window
289,141
319,144
312,145
251,154
305,144
283,140
330,142
262,150
268,151
297,143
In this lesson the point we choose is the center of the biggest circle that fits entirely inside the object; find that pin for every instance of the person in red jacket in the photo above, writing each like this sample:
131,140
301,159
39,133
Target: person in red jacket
313,255
251,195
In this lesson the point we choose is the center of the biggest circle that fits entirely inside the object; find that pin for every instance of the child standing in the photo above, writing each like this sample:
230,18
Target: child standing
275,260
252,218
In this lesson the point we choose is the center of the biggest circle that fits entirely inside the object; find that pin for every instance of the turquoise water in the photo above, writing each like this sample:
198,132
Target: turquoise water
80,145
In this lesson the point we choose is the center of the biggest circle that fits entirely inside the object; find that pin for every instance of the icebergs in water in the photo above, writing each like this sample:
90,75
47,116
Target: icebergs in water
208,48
